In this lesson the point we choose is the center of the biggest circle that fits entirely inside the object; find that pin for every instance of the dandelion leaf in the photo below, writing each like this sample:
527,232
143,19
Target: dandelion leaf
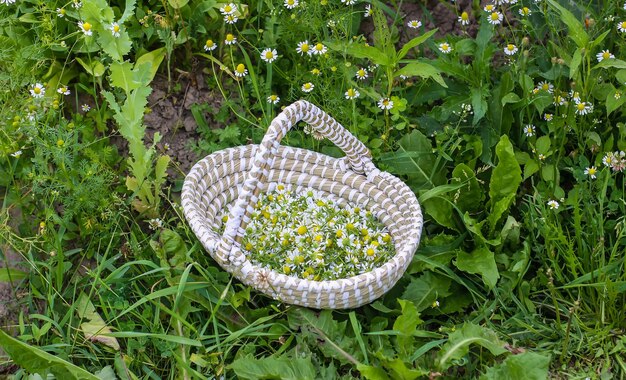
94,328
505,180
524,366
481,261
459,343
283,367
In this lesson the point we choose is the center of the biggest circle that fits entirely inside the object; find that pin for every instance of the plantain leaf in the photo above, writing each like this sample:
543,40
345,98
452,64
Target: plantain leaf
35,360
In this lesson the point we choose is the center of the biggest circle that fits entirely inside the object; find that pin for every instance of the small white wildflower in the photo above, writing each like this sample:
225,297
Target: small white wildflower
414,24
228,9
17,154
38,91
591,172
361,74
622,26
230,19
291,4
495,18
464,18
269,55
545,86
155,223
85,107
368,10
273,99
304,48
352,94
209,45
115,29
241,71
524,12
604,54
63,90
445,47
349,2
60,12
583,108
319,49
385,104
308,87
230,39
510,49
553,204
529,130
85,27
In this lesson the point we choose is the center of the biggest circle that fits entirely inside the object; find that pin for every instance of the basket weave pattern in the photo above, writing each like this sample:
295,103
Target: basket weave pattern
237,176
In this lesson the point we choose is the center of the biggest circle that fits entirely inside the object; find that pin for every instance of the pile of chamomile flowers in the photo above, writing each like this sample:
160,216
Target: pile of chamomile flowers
309,236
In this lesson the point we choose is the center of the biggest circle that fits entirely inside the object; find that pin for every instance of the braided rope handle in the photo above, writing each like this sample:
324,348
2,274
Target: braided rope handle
358,158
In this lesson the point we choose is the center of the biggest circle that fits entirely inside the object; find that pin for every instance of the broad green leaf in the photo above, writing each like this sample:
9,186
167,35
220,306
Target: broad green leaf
511,97
122,76
400,370
615,63
93,326
530,168
414,42
12,274
287,368
613,103
576,29
115,47
423,70
359,50
155,57
459,342
543,144
128,11
481,261
469,196
620,75
541,101
372,372
424,290
440,209
106,373
575,63
177,4
479,103
505,179
406,324
35,360
524,366
94,67
97,11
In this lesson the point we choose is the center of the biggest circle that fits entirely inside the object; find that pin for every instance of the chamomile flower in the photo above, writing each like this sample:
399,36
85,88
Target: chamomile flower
548,116
155,223
495,18
319,49
414,24
7,2
273,99
241,71
85,108
38,91
349,2
63,90
489,8
583,108
61,12
291,4
529,130
228,9
591,172
385,104
209,45
230,19
545,86
85,27
308,87
115,29
352,94
464,18
269,55
77,4
304,48
361,74
604,54
230,39
368,11
558,100
510,49
17,154
445,47
554,205
622,26
524,12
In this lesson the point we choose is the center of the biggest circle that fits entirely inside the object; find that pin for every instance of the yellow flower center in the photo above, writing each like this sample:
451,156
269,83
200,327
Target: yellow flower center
386,102
525,10
229,37
37,90
291,2
228,9
510,47
592,171
302,230
370,252
489,8
623,24
580,106
269,55
273,98
209,43
319,47
445,46
351,93
86,26
316,72
606,55
495,16
241,68
116,28
307,85
304,47
62,11
545,87
464,16
361,72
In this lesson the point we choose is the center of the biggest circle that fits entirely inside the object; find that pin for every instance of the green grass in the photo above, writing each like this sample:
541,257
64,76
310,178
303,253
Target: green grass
520,271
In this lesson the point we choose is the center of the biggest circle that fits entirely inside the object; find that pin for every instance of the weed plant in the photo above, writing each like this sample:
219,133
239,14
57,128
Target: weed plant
510,129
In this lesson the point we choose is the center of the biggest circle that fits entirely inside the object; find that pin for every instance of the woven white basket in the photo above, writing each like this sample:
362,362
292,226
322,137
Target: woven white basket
241,174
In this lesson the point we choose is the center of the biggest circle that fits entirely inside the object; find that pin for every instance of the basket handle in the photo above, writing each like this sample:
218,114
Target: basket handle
358,158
